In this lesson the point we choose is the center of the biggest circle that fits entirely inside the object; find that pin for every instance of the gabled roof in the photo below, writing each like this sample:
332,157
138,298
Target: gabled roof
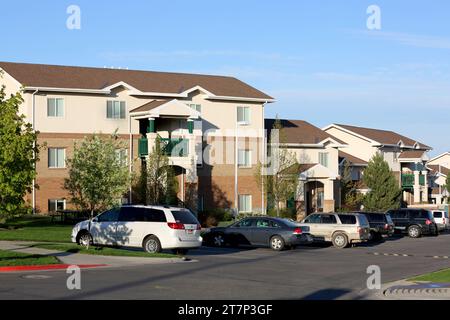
440,156
412,154
352,159
300,132
149,106
68,77
385,137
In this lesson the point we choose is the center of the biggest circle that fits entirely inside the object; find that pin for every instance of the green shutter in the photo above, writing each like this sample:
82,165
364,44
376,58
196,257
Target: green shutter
109,111
190,125
122,109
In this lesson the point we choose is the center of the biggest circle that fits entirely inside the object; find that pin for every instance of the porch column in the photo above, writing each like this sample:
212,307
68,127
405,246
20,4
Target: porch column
151,125
329,203
416,187
425,187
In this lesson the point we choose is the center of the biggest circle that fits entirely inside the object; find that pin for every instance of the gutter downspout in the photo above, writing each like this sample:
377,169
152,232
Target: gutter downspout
130,158
33,125
236,205
263,162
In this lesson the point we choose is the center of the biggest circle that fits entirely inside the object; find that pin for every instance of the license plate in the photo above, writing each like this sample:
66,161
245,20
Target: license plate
189,231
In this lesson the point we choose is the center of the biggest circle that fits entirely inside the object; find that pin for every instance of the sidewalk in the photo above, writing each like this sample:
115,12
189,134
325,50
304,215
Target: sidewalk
84,259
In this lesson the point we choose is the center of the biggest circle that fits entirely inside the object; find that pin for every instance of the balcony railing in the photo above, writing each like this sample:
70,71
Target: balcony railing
143,147
408,180
175,147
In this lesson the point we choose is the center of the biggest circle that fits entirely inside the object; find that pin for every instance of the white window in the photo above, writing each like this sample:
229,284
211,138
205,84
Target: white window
55,107
243,115
115,109
245,203
244,158
196,107
56,205
56,157
323,158
122,156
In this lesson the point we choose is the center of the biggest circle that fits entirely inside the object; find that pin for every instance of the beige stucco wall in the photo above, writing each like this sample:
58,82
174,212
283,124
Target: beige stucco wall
356,146
443,161
307,155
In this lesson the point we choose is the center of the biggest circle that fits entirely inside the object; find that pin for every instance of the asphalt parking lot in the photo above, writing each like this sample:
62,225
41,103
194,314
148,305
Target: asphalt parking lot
313,272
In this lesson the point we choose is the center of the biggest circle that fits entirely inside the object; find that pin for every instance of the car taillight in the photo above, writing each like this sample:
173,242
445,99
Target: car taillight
298,231
199,227
360,230
428,222
386,227
175,225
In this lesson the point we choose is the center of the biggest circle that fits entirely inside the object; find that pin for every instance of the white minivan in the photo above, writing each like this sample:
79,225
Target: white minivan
441,219
153,228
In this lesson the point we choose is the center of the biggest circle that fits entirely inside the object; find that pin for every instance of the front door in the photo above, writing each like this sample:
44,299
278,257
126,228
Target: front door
104,226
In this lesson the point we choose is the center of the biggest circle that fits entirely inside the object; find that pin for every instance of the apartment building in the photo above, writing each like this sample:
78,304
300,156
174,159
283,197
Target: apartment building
212,127
318,153
406,157
439,168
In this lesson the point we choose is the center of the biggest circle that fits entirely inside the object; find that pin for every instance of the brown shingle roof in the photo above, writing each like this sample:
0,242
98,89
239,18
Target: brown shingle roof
435,169
52,76
352,159
383,136
301,132
412,154
150,105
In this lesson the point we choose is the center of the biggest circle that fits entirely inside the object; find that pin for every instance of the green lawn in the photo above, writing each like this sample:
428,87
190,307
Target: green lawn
9,258
437,277
35,229
104,251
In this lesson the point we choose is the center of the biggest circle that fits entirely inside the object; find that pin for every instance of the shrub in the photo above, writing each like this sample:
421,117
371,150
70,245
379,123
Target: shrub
284,213
211,218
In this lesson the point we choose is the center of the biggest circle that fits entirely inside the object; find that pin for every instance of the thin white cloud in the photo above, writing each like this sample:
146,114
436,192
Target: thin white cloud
408,39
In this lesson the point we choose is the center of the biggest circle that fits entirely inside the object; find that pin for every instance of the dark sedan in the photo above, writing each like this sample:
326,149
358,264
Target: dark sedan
276,233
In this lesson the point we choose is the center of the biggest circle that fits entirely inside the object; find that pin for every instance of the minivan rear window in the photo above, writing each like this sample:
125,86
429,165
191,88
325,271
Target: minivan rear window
184,216
437,214
347,219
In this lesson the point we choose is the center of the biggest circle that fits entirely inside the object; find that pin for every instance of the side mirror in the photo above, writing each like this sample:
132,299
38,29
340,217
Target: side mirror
95,219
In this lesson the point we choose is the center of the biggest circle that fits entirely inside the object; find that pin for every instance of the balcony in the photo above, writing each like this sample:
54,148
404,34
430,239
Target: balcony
408,180
175,147
143,147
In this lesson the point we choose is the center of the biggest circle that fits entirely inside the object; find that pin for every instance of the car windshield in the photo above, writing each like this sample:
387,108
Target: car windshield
184,216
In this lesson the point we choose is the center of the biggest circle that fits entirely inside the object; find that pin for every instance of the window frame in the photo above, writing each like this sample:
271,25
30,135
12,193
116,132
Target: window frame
113,113
248,164
57,157
244,122
56,204
56,105
246,210
326,156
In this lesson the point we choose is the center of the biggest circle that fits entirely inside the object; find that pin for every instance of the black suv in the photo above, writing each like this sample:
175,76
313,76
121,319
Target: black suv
415,222
381,225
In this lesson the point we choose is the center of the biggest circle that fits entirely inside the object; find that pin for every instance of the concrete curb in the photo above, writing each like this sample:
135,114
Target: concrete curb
46,267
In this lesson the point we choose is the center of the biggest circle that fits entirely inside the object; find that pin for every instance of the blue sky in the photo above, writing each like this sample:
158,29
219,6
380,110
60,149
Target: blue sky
317,58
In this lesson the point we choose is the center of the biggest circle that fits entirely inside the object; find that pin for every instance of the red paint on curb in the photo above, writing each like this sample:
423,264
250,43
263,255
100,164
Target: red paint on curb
48,267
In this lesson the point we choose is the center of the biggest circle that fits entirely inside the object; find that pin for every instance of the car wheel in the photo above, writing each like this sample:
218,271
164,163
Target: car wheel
277,243
152,245
217,240
414,232
339,240
85,239
180,252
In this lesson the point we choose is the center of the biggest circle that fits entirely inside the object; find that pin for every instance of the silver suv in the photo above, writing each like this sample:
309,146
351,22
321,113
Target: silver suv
342,229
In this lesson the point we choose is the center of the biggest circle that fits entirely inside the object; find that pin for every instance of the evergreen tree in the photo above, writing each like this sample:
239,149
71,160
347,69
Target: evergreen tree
384,189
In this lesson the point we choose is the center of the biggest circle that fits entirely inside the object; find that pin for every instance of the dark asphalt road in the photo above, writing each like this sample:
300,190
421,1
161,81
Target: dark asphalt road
305,273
